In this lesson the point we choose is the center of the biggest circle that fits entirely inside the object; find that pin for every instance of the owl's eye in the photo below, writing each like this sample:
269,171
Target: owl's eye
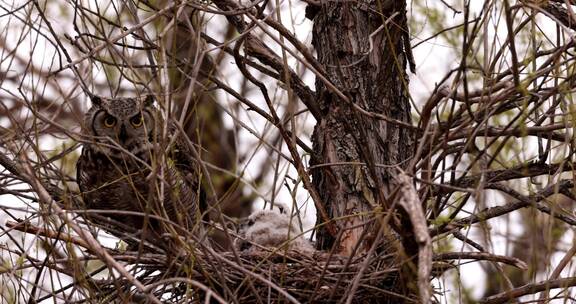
250,222
137,120
109,121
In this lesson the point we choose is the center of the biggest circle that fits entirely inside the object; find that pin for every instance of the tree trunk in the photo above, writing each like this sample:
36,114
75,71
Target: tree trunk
364,49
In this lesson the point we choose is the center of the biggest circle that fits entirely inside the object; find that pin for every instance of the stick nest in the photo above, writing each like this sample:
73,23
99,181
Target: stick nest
262,277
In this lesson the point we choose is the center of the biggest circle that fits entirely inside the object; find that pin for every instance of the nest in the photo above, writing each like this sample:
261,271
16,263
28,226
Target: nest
197,273
263,277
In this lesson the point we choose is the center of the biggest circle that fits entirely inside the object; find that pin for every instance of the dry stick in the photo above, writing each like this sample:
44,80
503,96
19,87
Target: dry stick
507,296
145,41
479,96
125,33
93,244
556,273
61,46
536,199
259,50
9,165
223,12
158,259
530,169
492,212
468,241
297,44
33,263
509,24
518,131
252,107
481,256
88,277
443,31
209,292
97,213
411,203
25,227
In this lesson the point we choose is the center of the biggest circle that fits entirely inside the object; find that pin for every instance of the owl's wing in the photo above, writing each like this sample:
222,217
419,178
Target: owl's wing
83,165
188,167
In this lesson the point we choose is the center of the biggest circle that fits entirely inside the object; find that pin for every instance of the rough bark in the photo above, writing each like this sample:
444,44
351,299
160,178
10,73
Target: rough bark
362,46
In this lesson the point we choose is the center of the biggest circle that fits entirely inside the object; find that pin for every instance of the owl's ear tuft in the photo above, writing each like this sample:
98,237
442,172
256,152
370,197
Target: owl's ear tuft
149,100
96,100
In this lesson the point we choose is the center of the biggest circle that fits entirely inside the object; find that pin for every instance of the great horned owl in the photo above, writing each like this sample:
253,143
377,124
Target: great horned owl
127,165
273,229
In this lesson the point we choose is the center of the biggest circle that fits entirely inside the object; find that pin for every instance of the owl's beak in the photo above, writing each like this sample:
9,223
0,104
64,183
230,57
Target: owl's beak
123,135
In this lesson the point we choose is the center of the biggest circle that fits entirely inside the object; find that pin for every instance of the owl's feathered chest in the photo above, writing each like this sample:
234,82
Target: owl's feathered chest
126,184
112,183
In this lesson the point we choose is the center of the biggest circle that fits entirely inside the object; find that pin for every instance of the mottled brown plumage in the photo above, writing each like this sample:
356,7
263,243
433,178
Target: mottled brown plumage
127,167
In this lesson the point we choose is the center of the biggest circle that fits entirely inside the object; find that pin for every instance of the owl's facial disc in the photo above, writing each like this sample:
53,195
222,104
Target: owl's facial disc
130,131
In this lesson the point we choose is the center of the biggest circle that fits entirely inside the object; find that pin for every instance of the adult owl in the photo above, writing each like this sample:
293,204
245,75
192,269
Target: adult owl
138,172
